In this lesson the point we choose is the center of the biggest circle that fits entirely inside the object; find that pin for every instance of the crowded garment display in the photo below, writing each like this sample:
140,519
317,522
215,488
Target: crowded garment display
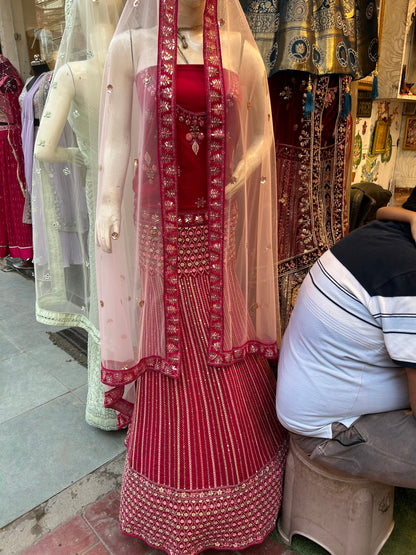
15,232
31,100
186,258
65,185
311,52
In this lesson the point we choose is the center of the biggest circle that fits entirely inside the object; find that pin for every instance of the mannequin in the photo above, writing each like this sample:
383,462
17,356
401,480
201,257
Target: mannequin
44,37
78,82
108,220
30,123
39,67
186,287
66,150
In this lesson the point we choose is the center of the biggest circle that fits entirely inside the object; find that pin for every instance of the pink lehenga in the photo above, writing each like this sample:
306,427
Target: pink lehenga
205,451
15,235
188,304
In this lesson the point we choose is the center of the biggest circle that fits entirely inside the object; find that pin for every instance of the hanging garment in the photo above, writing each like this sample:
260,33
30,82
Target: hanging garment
312,50
15,236
187,293
30,124
317,37
312,159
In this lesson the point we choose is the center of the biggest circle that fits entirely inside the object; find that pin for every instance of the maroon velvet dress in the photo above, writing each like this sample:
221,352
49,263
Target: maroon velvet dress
15,236
205,452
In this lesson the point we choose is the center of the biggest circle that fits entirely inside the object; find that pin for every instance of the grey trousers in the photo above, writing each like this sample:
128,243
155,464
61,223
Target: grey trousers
380,447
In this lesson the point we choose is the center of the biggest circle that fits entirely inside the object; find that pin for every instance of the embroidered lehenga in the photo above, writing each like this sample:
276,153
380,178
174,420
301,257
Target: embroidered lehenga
184,349
325,45
15,235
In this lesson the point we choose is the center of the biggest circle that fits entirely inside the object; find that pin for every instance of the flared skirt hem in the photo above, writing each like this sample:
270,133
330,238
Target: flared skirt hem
187,522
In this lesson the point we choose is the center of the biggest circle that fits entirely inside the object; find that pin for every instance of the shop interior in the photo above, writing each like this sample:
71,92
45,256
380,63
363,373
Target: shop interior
53,464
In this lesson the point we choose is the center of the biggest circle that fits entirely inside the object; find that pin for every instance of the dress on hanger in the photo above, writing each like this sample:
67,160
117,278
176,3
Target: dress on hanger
322,45
15,236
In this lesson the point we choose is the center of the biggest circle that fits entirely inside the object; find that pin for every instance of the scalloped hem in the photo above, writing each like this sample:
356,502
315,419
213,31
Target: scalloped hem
129,373
184,522
236,547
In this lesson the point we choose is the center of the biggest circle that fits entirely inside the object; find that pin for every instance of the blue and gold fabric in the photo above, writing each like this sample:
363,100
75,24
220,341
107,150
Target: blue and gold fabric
317,36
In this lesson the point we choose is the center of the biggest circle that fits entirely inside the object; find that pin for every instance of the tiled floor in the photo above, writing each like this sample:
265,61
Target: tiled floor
45,443
96,532
47,448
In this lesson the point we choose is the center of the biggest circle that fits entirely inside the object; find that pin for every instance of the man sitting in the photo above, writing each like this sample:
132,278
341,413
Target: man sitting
347,366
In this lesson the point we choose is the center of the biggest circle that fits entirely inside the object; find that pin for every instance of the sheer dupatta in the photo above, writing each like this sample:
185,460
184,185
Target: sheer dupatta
137,299
65,177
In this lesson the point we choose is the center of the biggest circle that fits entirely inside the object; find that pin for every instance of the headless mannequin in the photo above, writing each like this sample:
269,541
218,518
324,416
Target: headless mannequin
38,67
78,81
116,154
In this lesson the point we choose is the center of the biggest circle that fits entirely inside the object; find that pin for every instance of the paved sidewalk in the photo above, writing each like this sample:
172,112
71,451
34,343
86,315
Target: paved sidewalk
96,532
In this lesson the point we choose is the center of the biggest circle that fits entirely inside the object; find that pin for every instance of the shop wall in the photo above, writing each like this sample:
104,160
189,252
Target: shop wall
377,168
395,167
21,40
405,168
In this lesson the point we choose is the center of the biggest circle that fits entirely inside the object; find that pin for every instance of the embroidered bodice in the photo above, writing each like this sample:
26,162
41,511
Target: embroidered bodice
191,141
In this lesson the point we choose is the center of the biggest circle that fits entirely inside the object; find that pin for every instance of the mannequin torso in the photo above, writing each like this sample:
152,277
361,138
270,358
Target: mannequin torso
135,51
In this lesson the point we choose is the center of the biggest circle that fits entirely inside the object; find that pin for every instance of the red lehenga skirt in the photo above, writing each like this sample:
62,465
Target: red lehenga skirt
205,451
15,236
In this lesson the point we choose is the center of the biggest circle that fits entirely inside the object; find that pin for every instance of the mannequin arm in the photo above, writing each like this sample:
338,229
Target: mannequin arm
259,144
115,141
54,119
398,214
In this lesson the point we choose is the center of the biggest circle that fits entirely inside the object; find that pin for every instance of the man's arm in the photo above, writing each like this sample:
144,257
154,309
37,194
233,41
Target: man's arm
411,380
398,214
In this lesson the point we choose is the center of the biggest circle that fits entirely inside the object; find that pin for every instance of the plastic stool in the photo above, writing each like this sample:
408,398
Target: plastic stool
344,514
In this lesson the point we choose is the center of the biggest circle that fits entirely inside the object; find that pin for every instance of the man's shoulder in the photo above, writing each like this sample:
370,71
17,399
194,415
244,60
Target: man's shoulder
382,257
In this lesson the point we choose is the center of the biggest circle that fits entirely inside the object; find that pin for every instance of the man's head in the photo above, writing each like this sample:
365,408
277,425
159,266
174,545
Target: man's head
410,203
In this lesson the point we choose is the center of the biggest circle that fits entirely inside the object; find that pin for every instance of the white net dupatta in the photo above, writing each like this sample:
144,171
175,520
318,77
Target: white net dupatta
65,186
65,170
138,286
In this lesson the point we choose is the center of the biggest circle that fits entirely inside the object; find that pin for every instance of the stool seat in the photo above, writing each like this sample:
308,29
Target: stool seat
344,514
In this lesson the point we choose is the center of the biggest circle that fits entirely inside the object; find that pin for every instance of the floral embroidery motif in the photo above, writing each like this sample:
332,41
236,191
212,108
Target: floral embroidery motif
149,82
196,123
183,510
149,168
286,93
